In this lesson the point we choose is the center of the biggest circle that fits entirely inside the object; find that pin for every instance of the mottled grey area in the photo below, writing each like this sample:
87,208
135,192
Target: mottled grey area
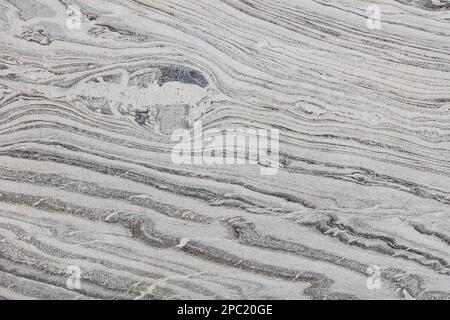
176,73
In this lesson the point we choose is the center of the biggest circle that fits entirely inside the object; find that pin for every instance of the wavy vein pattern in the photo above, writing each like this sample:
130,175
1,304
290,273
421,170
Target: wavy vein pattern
86,116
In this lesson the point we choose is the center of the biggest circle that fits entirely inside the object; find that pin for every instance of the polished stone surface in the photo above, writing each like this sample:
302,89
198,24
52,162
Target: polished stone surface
91,205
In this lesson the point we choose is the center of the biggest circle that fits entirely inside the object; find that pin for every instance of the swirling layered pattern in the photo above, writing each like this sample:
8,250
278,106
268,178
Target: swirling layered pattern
86,177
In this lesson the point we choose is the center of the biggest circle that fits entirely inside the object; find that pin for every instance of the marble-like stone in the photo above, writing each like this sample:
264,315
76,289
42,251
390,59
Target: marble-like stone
91,91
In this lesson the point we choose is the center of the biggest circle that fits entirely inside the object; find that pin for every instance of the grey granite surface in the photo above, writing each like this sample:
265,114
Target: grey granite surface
93,205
